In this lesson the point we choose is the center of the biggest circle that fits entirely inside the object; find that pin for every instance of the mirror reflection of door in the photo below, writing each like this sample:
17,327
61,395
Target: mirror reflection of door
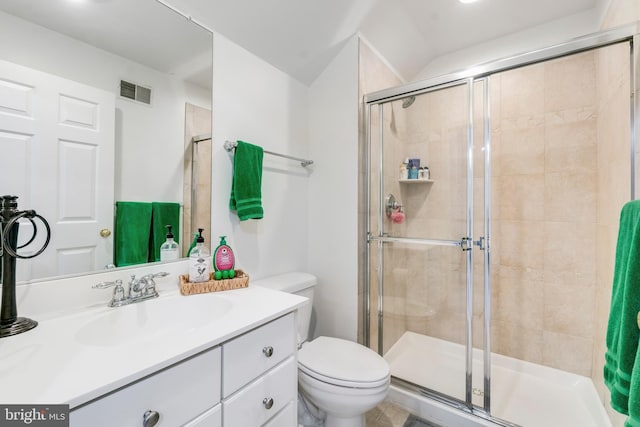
100,44
64,134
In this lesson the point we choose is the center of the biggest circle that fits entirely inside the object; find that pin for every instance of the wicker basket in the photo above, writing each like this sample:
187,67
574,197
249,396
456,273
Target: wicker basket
187,288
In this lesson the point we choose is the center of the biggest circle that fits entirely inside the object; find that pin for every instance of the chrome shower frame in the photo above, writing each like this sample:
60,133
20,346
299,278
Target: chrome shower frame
481,73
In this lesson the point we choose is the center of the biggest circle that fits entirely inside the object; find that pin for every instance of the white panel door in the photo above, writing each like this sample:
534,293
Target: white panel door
57,145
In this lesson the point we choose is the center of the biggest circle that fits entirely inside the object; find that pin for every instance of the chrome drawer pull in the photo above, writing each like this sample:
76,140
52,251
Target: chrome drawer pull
150,419
267,402
268,351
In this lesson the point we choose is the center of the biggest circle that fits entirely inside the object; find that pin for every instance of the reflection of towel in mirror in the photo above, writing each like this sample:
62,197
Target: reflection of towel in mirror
132,231
622,363
163,214
246,187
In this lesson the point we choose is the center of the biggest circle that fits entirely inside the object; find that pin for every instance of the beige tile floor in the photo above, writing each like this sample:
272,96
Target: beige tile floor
386,414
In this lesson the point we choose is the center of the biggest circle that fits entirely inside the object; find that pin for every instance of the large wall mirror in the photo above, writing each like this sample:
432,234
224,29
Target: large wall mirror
101,101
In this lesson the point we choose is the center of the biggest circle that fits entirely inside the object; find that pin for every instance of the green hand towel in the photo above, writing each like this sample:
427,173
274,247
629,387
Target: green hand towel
621,372
132,232
163,214
246,187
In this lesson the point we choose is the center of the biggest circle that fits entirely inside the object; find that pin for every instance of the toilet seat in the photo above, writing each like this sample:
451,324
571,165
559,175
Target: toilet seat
343,363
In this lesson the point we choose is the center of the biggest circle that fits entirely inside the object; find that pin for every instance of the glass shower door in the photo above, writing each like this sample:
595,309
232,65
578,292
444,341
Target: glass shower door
420,260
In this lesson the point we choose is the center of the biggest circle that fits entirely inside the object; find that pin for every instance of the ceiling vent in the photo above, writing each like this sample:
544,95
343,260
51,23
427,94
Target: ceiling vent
135,92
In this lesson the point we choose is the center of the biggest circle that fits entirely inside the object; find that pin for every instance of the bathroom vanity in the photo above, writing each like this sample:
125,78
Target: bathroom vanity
217,359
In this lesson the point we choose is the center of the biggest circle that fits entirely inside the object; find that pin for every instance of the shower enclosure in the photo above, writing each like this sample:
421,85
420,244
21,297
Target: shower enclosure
491,297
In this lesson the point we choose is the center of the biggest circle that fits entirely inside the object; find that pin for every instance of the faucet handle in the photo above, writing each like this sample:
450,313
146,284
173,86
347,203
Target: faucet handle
118,291
104,285
156,275
150,284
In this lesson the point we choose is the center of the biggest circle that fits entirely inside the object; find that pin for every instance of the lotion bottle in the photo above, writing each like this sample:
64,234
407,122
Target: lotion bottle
169,249
199,261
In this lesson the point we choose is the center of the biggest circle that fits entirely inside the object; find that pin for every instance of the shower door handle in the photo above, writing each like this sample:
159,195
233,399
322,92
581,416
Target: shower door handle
466,243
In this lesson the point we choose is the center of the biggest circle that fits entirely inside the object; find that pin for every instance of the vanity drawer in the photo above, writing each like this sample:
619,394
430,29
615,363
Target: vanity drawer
286,418
211,418
176,393
259,401
250,355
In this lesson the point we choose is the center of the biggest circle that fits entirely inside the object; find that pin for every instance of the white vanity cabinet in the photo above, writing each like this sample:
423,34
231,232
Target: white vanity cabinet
176,395
211,418
247,381
260,374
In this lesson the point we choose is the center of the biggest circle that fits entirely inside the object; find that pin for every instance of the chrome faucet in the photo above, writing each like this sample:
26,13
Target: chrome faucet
138,290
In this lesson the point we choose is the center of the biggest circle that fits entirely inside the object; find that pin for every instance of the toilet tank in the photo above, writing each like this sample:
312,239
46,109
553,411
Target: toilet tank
301,284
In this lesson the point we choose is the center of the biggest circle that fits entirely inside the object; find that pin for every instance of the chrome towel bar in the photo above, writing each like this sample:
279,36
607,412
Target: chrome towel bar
230,145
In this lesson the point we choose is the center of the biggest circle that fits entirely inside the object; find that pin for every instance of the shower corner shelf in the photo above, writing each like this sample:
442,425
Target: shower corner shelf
416,181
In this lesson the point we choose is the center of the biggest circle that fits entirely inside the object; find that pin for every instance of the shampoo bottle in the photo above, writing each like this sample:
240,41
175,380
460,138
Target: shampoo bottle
199,261
169,249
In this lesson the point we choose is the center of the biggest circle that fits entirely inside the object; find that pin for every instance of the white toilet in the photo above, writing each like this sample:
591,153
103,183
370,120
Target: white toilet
341,378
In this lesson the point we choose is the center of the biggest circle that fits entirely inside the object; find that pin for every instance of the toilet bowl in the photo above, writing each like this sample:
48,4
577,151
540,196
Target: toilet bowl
343,379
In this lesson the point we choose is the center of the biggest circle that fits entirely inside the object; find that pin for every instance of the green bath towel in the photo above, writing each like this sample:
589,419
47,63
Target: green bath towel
163,214
246,187
132,232
621,372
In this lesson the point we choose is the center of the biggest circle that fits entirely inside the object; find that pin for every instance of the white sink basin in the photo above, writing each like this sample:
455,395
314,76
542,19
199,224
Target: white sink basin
153,318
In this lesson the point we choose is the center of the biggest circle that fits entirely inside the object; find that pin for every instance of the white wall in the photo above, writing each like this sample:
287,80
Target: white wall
310,214
149,139
333,194
257,103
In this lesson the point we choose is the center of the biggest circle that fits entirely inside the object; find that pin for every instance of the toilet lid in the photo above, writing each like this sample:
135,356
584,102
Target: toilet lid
343,362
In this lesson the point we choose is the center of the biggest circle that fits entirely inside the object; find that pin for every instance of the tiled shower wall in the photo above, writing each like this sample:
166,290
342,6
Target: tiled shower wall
560,173
544,130
613,185
613,97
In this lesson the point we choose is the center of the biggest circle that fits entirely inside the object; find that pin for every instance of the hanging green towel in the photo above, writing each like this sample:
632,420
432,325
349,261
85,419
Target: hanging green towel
621,371
246,187
132,232
163,214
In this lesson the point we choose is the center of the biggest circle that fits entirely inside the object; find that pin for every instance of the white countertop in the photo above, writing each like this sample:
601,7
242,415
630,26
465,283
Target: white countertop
59,362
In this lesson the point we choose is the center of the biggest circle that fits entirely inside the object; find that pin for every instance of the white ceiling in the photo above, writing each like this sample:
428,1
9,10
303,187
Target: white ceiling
150,34
300,37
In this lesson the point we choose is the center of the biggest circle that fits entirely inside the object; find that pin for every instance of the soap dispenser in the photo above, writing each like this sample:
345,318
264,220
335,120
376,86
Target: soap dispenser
169,249
199,261
193,244
223,261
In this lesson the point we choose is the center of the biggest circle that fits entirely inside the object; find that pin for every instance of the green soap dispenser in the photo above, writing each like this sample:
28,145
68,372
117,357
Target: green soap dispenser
224,261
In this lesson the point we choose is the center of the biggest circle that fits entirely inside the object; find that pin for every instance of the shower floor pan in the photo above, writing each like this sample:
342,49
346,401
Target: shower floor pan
522,393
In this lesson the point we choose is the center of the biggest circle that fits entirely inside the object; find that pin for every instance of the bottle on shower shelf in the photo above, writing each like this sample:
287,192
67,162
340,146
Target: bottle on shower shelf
404,172
414,167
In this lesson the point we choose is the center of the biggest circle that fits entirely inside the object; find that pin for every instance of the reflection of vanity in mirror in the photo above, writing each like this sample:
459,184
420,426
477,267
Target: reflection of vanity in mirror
72,144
